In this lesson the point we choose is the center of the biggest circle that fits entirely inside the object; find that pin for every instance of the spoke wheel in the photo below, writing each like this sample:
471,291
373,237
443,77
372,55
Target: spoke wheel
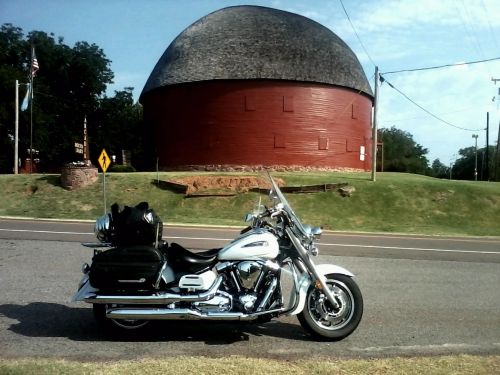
328,322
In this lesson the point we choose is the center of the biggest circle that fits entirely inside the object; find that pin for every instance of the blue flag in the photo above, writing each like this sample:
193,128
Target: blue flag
24,105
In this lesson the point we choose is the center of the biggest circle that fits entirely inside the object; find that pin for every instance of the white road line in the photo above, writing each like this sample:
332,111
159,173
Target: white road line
490,239
41,231
410,248
362,246
320,244
198,238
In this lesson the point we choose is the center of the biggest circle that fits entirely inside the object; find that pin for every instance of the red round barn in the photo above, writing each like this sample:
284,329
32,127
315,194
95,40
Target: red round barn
255,86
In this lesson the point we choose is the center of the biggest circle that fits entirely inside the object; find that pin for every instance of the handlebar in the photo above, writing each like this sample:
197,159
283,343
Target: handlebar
287,220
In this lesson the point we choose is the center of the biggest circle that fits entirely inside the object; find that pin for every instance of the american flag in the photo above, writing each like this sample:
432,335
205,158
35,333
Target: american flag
34,63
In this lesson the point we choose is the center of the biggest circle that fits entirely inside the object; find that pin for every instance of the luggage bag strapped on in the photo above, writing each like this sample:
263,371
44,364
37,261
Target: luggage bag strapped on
127,268
135,260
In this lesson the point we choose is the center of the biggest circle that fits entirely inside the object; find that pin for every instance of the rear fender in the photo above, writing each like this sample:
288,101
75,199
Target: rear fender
84,289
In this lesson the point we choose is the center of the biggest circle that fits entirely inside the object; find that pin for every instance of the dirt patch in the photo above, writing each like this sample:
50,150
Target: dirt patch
442,196
31,189
236,184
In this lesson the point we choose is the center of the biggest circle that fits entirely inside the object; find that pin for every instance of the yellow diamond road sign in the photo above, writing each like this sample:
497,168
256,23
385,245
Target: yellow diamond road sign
104,161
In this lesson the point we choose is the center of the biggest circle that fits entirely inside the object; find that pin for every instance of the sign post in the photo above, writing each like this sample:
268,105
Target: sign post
104,162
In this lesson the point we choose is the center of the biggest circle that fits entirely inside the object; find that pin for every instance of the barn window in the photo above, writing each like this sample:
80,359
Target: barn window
249,103
323,143
352,145
288,104
354,110
279,141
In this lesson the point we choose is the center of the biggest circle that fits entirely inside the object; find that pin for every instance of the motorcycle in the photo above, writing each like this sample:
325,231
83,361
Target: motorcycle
266,272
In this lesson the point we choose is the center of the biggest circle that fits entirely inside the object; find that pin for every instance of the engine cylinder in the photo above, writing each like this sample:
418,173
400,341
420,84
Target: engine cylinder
248,273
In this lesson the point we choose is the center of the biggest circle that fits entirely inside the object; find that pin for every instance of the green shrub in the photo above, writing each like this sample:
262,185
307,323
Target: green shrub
121,168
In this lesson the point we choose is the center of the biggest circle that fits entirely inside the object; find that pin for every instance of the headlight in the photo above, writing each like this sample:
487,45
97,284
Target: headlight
102,228
85,268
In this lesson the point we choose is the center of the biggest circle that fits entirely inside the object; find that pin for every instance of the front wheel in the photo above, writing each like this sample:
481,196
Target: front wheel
325,322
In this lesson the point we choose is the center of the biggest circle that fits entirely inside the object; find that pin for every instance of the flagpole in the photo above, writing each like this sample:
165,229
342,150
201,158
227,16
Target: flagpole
32,75
31,111
16,133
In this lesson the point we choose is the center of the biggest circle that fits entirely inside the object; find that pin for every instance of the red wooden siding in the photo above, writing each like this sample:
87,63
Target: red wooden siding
260,123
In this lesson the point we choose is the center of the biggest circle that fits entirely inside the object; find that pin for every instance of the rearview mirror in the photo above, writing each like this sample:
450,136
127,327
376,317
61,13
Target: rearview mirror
313,231
249,217
316,232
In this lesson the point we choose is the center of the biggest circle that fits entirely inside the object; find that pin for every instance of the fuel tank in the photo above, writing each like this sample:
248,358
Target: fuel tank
253,245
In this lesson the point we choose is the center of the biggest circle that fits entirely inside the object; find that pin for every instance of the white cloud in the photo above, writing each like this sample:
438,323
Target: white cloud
389,15
459,95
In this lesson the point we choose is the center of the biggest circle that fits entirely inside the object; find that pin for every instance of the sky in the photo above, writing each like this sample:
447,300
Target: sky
441,108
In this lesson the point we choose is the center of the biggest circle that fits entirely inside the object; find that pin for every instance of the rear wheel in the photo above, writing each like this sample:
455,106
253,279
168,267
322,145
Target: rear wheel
326,322
107,323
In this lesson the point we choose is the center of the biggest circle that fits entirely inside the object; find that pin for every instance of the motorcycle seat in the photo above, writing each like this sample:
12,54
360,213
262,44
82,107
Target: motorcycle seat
186,260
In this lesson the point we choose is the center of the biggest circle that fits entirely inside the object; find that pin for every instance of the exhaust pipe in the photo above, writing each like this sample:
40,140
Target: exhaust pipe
155,299
180,314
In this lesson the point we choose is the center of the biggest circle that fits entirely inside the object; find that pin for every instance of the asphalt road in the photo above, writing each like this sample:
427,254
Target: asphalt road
423,296
464,249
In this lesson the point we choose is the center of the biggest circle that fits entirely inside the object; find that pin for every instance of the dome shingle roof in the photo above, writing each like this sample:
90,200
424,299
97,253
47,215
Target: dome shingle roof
252,42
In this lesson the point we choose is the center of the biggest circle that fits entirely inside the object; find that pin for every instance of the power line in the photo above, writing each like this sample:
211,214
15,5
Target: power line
486,13
442,66
470,22
355,32
425,110
418,117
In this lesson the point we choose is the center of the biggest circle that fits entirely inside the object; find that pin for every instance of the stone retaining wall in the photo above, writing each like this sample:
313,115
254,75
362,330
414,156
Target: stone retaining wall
74,177
258,168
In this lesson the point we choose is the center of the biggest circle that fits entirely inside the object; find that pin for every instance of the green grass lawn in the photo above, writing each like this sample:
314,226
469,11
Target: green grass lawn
396,202
445,365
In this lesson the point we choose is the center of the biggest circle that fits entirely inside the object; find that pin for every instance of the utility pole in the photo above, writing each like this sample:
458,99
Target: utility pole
16,127
487,174
16,131
495,80
475,156
374,127
452,163
496,152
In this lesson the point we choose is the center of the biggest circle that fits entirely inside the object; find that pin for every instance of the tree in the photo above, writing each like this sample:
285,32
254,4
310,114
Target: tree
68,86
13,52
70,83
117,126
463,169
401,152
439,170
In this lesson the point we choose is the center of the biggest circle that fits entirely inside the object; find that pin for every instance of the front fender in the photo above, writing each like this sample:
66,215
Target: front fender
326,269
305,282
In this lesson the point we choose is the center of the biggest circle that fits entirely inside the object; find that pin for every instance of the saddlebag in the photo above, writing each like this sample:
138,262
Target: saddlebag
126,268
